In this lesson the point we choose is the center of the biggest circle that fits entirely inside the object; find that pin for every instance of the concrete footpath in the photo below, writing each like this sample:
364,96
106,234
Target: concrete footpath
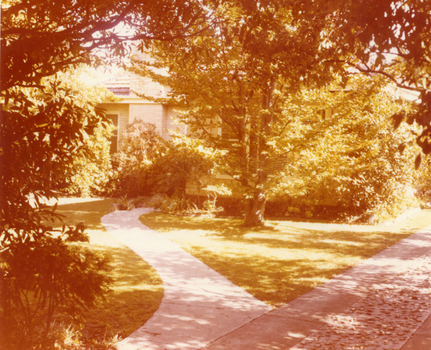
382,303
198,306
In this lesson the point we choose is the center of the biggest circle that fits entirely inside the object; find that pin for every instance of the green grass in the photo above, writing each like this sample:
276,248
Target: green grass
284,259
137,289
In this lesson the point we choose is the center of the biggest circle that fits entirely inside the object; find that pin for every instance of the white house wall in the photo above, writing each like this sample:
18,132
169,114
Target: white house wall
133,107
129,110
148,113
171,113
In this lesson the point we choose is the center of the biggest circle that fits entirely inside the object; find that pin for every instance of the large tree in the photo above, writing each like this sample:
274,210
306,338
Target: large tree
236,77
240,78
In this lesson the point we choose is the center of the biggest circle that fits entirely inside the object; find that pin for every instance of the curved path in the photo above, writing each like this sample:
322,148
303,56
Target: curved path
383,303
199,305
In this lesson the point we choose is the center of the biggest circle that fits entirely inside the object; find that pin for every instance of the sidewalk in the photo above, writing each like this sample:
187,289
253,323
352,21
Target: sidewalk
382,303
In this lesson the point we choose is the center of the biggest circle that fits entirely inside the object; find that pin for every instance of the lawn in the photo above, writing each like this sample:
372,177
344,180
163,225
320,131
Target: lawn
137,289
284,259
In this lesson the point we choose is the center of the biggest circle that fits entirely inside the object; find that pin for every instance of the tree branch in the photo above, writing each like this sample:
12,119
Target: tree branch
373,71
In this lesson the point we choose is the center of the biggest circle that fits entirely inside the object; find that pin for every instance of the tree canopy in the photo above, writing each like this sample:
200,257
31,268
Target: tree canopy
44,135
235,77
251,75
42,37
347,160
391,38
242,84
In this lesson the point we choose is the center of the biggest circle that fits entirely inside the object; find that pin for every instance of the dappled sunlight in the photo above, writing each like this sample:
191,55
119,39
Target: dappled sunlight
274,281
282,260
198,304
389,313
136,292
136,288
332,242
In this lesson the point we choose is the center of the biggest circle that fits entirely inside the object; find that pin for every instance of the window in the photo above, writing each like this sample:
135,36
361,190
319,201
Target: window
114,136
227,132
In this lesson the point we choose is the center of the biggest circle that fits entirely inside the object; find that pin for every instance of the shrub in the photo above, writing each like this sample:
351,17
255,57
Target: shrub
45,131
228,206
146,164
140,146
185,161
156,201
176,205
123,203
90,173
44,274
423,188
353,161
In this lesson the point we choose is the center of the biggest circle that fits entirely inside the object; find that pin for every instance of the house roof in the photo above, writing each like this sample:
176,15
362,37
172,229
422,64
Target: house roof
131,85
119,86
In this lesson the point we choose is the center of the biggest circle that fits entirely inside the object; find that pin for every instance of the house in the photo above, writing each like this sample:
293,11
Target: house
130,107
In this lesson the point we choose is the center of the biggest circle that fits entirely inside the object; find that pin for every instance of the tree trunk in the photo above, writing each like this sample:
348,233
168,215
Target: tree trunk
255,209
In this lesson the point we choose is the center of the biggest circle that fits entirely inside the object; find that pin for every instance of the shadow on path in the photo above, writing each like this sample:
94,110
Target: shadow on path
383,303
199,305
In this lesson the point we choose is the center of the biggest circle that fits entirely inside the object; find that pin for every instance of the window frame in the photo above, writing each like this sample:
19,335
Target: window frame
113,139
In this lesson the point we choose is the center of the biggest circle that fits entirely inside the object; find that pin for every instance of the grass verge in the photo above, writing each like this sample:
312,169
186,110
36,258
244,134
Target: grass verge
137,289
284,259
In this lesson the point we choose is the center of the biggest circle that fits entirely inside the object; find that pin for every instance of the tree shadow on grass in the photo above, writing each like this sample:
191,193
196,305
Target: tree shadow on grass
274,281
136,292
340,243
277,262
87,212
229,231
364,242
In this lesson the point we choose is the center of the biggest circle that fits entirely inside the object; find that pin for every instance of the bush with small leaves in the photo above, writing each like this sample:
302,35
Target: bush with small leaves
185,161
140,146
